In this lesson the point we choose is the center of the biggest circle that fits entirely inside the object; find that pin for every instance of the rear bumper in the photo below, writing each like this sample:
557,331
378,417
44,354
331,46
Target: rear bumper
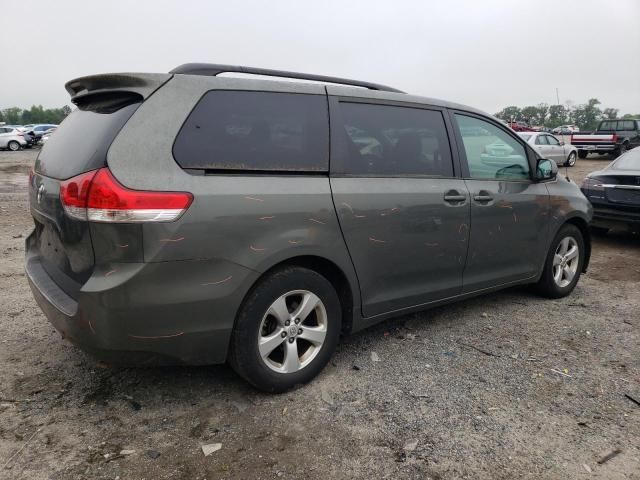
139,314
611,217
595,148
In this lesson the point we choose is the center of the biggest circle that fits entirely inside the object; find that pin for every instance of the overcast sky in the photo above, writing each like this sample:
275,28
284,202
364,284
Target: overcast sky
483,53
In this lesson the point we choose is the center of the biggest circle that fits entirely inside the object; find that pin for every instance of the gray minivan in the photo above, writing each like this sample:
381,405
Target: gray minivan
198,218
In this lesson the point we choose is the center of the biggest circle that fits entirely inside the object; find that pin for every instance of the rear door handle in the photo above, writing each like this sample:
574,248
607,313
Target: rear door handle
483,197
453,196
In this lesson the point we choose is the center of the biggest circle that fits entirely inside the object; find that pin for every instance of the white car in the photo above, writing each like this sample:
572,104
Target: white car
565,130
12,138
548,146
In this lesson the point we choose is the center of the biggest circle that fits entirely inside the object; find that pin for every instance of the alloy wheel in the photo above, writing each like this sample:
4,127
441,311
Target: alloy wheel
292,331
565,261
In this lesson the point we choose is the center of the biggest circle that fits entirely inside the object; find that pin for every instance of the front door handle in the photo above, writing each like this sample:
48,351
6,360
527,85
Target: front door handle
453,196
483,197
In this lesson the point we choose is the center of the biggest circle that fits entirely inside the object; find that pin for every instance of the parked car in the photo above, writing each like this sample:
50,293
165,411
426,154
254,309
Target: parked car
550,147
11,138
614,193
196,219
612,136
46,135
520,126
565,130
38,130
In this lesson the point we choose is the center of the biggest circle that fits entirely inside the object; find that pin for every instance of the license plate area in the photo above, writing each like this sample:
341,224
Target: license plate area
626,196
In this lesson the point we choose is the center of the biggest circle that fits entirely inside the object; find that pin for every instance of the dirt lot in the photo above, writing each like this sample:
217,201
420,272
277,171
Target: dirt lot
505,386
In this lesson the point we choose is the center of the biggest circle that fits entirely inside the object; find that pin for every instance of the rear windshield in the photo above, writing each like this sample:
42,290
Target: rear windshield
255,131
81,141
629,161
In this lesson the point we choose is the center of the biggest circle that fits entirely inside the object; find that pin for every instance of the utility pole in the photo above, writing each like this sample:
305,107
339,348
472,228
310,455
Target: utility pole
557,97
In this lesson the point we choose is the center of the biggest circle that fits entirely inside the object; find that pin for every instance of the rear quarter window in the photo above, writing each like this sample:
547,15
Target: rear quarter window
82,140
255,131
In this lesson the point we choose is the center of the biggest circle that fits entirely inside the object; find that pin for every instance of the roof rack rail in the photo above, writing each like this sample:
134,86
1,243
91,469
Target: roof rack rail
212,69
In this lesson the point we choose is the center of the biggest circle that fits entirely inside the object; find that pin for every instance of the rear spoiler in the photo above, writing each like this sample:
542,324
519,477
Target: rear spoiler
83,89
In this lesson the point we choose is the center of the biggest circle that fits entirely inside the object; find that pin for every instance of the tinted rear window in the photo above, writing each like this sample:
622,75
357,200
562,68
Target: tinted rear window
382,140
81,142
255,131
629,161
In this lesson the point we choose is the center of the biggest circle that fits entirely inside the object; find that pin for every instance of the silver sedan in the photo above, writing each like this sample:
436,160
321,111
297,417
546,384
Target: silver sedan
548,146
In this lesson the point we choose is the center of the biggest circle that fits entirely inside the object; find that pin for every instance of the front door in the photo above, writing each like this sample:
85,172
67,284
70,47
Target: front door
556,150
508,210
403,213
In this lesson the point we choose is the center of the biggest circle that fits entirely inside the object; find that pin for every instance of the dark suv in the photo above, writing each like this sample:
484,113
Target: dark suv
195,218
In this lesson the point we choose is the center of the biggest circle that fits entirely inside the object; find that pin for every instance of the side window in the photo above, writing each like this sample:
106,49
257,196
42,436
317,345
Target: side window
627,125
552,140
389,141
541,140
493,155
258,131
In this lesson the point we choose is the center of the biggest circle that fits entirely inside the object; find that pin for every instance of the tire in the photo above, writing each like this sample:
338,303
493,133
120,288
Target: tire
571,160
268,312
582,154
621,150
599,230
13,146
565,279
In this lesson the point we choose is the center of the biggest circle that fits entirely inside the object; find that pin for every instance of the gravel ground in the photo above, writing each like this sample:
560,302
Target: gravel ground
504,386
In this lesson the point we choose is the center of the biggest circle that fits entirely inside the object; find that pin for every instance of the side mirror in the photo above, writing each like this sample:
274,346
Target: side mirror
562,144
546,169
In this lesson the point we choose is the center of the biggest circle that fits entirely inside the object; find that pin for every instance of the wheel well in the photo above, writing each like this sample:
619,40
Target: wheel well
331,272
586,235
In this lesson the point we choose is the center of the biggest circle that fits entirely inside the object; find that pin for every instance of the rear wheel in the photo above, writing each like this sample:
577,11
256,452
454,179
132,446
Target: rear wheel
286,330
571,159
582,154
620,150
13,146
563,264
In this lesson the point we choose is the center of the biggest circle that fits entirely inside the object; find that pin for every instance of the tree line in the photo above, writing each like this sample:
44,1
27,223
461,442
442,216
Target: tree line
36,114
586,116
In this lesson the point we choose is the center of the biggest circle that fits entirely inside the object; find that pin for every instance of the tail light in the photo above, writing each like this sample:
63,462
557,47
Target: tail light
614,138
98,197
593,186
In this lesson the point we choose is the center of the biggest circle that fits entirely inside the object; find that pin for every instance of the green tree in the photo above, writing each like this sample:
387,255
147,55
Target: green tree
588,115
631,116
12,115
610,113
530,113
509,113
557,116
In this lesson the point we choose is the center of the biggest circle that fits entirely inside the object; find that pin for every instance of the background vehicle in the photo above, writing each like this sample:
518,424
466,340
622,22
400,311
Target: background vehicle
612,136
565,130
520,126
38,130
614,193
11,138
46,135
552,148
226,234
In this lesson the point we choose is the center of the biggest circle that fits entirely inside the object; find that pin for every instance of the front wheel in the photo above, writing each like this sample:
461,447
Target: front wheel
13,146
563,264
571,159
286,330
